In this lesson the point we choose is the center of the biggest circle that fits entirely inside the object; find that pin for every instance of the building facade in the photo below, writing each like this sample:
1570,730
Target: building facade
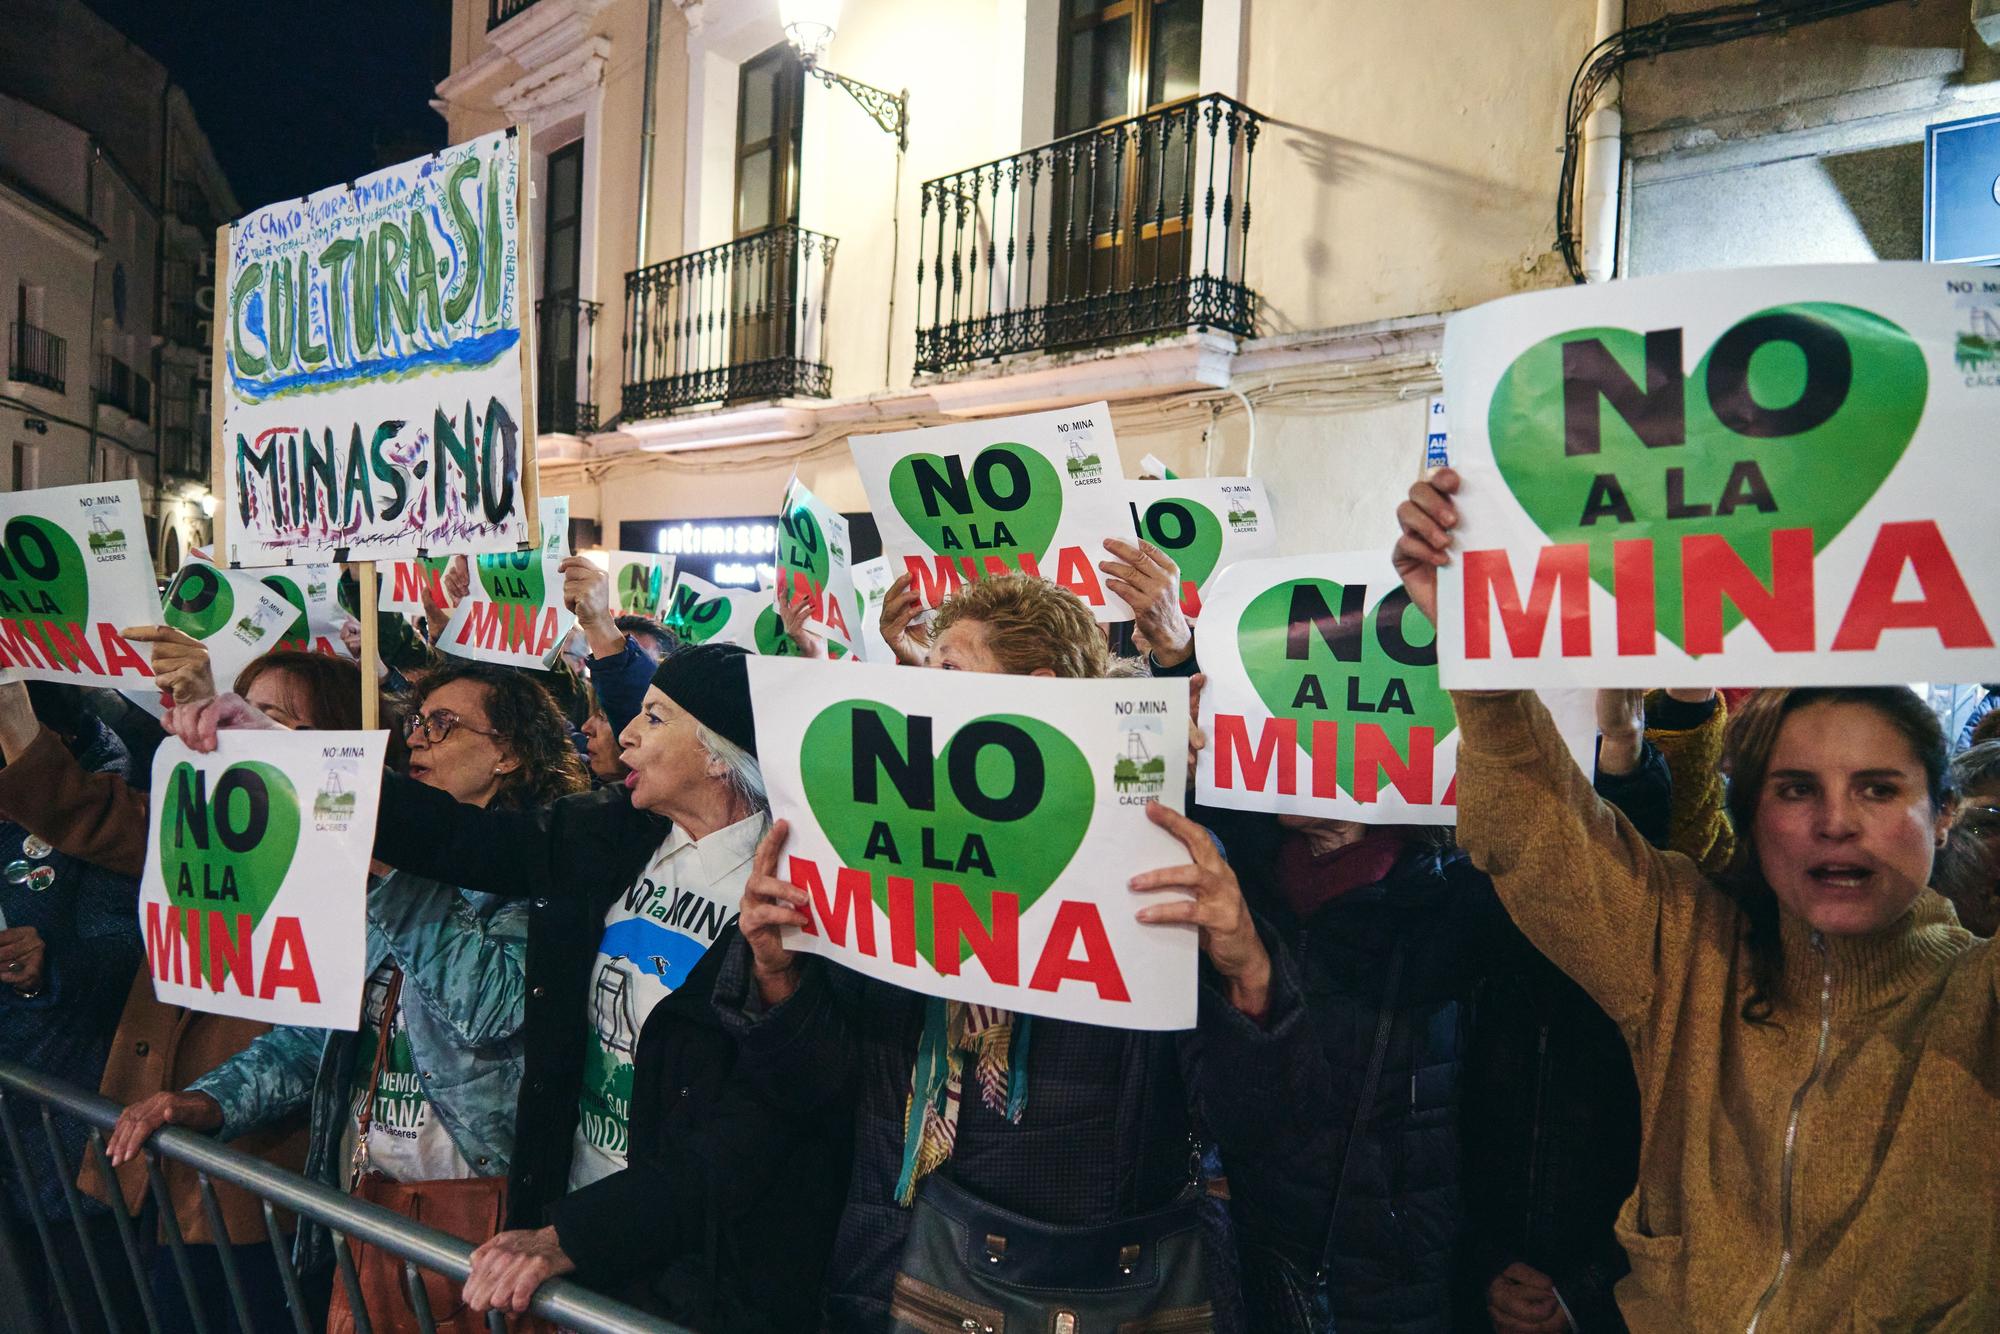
1242,223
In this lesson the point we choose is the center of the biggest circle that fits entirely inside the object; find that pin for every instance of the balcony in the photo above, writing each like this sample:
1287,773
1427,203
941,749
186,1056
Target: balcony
1136,228
37,357
499,11
118,386
566,363
736,323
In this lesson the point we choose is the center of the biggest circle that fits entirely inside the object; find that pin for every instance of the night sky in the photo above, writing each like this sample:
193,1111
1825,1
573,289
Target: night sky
294,97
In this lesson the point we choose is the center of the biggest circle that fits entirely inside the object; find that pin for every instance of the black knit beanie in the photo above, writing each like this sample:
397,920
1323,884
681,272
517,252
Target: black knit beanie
711,682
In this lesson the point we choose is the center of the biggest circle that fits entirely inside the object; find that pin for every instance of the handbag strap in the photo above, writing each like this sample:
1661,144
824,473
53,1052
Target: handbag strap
1383,1023
367,1114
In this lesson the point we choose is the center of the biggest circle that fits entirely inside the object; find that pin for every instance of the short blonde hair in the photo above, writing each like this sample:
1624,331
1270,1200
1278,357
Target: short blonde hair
1030,625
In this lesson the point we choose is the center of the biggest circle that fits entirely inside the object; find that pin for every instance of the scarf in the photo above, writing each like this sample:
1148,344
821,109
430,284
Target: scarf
1309,881
997,1042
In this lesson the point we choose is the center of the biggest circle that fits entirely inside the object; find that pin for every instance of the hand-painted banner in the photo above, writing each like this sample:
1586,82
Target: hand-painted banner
814,559
254,899
640,582
1323,696
971,836
515,614
372,376
871,585
404,582
234,614
701,611
74,572
1759,476
1204,524
1035,494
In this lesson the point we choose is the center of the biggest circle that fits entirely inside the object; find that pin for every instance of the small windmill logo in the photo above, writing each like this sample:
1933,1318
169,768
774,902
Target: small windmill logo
1141,769
1083,462
333,805
104,539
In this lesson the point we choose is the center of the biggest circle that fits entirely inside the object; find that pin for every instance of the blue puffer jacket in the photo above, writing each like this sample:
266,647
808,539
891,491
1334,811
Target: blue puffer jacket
463,957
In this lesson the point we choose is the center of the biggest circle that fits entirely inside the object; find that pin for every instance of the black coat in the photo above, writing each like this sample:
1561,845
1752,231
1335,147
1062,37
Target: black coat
727,1207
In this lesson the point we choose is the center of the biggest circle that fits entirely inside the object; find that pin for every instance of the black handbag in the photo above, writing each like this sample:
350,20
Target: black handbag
972,1268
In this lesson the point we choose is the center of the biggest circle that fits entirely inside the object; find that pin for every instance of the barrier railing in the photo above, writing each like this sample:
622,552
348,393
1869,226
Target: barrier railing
419,1248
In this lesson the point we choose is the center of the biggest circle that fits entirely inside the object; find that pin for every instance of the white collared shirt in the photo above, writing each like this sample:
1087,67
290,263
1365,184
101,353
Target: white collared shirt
679,907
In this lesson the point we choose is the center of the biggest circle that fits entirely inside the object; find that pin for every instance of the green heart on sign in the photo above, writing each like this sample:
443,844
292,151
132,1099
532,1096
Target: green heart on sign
41,573
1009,504
802,546
227,848
1367,685
1021,854
1793,419
1188,531
298,632
699,623
639,588
514,579
200,602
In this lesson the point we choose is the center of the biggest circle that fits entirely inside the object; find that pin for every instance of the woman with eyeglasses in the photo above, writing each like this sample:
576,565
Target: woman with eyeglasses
426,1090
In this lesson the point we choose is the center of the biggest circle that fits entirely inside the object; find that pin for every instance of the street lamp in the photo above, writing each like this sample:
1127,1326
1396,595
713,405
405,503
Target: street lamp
809,26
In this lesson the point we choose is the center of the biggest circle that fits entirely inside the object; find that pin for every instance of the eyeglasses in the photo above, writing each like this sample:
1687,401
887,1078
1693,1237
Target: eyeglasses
438,724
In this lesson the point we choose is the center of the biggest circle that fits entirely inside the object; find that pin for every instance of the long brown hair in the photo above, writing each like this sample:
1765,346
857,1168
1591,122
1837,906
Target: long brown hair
328,688
1746,758
530,727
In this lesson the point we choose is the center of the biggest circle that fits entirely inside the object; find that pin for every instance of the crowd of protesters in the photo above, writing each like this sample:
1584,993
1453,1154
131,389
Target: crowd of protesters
1704,1039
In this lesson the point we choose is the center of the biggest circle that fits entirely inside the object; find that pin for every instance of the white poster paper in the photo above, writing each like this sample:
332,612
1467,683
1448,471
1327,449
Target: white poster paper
971,836
74,573
1203,524
702,611
404,581
232,612
871,586
640,582
1035,494
814,555
1751,477
515,614
254,899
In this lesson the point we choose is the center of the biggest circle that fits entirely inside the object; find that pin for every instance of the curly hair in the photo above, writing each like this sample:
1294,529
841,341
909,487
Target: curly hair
1747,748
530,728
1031,625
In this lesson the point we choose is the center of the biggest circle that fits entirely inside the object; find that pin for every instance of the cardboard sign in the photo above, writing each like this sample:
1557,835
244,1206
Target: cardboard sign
404,581
871,586
1323,696
640,582
813,559
234,614
1204,524
970,836
74,572
515,613
253,903
1759,476
701,611
1035,494
373,365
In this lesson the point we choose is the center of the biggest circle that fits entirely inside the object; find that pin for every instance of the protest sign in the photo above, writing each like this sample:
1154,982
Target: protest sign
404,582
373,355
1203,524
871,585
640,581
1760,477
1323,695
234,614
313,592
701,611
813,559
1035,494
515,614
970,836
74,572
253,903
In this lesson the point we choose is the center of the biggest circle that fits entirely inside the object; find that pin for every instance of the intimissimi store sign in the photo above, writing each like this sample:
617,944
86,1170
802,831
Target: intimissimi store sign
734,552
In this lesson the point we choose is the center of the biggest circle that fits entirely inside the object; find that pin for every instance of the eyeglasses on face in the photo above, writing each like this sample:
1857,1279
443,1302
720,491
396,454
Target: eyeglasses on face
438,724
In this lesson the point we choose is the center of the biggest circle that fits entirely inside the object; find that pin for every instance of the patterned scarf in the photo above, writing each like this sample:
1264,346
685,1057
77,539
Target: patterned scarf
997,1041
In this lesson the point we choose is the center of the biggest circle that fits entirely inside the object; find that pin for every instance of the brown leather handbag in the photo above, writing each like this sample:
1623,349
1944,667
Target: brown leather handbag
469,1208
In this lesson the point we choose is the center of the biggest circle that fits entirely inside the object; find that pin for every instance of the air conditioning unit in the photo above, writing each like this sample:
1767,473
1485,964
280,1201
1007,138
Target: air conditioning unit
1986,21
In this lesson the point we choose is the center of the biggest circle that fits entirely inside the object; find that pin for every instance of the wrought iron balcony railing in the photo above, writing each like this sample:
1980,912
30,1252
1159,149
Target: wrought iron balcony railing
36,356
1129,229
566,362
730,324
119,386
499,11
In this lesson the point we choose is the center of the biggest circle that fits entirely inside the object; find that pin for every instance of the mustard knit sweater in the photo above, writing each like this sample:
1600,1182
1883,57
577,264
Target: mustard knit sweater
1881,1074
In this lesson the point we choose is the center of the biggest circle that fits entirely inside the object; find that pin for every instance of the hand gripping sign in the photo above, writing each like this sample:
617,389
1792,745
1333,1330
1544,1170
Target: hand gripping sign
1323,696
1204,524
1763,476
514,614
74,572
971,836
254,898
1035,495
814,555
700,611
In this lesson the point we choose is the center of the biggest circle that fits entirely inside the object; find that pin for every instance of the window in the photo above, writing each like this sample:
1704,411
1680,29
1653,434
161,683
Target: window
769,91
1122,58
562,232
27,466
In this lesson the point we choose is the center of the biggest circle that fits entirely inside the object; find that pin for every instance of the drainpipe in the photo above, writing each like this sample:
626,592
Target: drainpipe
1603,153
646,133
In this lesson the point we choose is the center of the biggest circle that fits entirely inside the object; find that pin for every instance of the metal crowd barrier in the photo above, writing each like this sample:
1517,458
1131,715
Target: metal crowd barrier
420,1248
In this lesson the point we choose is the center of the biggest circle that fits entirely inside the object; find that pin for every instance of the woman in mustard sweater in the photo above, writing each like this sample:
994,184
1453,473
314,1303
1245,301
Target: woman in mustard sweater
1817,1040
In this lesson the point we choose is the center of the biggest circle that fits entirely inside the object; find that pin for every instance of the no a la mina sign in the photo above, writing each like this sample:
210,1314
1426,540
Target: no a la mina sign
74,573
253,903
1035,495
372,376
1323,696
700,611
1761,476
514,613
970,836
1204,525
814,560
